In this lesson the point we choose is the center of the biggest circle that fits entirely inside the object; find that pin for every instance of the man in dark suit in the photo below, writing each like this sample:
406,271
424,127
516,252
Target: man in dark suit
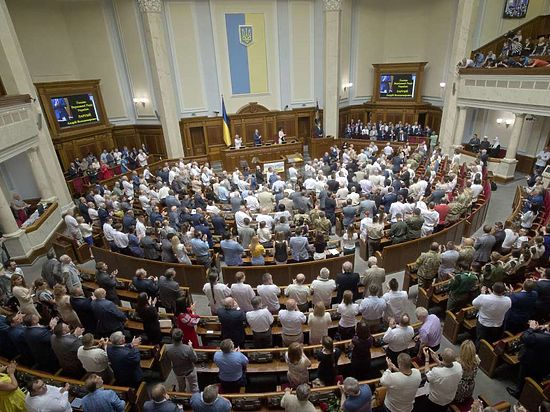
38,340
16,335
107,281
347,280
65,346
169,290
232,322
145,284
533,361
160,402
388,199
523,307
128,221
219,224
83,308
151,248
51,270
109,318
124,360
543,300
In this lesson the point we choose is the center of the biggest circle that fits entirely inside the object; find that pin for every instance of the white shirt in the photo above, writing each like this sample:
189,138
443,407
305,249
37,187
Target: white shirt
269,221
476,190
259,320
401,389
51,401
270,296
395,208
396,303
120,239
542,158
108,232
163,192
243,294
509,239
140,230
399,338
221,292
322,291
252,202
318,327
239,219
297,292
348,313
444,383
492,309
291,321
93,360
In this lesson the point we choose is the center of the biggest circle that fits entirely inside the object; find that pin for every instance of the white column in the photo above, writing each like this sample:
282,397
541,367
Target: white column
7,221
41,179
332,66
460,125
24,84
459,51
512,148
163,87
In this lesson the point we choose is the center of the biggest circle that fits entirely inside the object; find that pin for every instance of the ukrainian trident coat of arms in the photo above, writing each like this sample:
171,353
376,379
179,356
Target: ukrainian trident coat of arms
246,34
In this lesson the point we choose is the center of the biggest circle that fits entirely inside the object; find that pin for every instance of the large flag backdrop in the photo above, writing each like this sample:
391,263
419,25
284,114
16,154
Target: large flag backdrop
247,52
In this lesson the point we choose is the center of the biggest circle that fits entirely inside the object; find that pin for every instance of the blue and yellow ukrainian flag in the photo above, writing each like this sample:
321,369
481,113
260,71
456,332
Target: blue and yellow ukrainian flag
226,134
247,52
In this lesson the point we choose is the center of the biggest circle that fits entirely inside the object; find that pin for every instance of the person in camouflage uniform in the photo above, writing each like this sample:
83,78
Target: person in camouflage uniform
322,224
466,252
493,271
462,288
428,265
398,230
456,209
414,225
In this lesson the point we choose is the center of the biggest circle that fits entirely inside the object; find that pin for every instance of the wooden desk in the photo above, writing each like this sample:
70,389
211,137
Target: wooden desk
231,158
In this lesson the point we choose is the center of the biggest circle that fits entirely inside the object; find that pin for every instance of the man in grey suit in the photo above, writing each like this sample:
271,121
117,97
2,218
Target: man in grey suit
151,248
367,205
169,290
183,358
484,245
349,213
51,270
301,202
65,346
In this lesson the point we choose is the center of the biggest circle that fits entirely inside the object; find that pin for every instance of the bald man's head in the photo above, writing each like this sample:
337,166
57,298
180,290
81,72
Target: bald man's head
448,356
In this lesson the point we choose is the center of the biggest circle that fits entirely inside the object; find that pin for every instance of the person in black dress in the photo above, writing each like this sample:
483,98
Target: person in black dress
360,354
328,362
146,310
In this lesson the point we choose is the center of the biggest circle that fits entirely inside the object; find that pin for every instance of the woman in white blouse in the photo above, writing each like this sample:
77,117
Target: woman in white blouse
318,322
347,310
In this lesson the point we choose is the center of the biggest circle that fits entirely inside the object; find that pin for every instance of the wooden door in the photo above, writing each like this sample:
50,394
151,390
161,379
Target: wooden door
197,140
304,127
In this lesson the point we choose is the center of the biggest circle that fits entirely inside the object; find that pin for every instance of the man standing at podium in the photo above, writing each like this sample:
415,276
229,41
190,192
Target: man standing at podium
281,136
257,138
238,141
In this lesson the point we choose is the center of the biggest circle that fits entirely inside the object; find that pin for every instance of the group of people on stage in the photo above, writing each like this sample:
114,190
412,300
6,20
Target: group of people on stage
280,138
385,131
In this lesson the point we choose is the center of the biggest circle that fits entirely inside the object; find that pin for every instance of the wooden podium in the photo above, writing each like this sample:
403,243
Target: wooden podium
234,158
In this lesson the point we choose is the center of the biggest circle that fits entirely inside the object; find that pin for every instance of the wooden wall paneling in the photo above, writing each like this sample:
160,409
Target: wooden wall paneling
305,123
198,140
152,137
525,164
126,136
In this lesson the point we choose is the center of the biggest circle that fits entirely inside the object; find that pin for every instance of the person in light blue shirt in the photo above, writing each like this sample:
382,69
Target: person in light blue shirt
232,367
232,251
201,249
223,194
99,399
209,401
299,246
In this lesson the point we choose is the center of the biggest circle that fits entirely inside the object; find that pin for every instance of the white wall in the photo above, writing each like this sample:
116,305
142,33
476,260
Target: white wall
395,31
17,176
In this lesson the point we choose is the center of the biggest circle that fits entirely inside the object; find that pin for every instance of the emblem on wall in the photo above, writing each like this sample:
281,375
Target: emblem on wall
246,34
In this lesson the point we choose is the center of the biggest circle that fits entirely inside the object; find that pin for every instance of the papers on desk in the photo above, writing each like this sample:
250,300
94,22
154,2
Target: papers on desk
162,311
209,332
125,304
77,403
334,252
165,323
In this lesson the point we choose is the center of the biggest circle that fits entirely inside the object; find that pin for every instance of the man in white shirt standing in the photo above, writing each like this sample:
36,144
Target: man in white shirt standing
299,292
94,358
398,337
242,292
291,320
322,288
260,321
492,308
401,384
269,293
443,379
542,159
43,398
396,301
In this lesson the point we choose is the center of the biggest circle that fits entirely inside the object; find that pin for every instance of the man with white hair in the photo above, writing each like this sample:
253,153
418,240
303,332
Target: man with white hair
291,320
69,273
125,360
322,288
355,397
299,402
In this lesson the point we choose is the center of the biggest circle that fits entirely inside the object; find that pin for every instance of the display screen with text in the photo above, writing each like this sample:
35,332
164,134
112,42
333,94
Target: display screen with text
400,86
76,110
